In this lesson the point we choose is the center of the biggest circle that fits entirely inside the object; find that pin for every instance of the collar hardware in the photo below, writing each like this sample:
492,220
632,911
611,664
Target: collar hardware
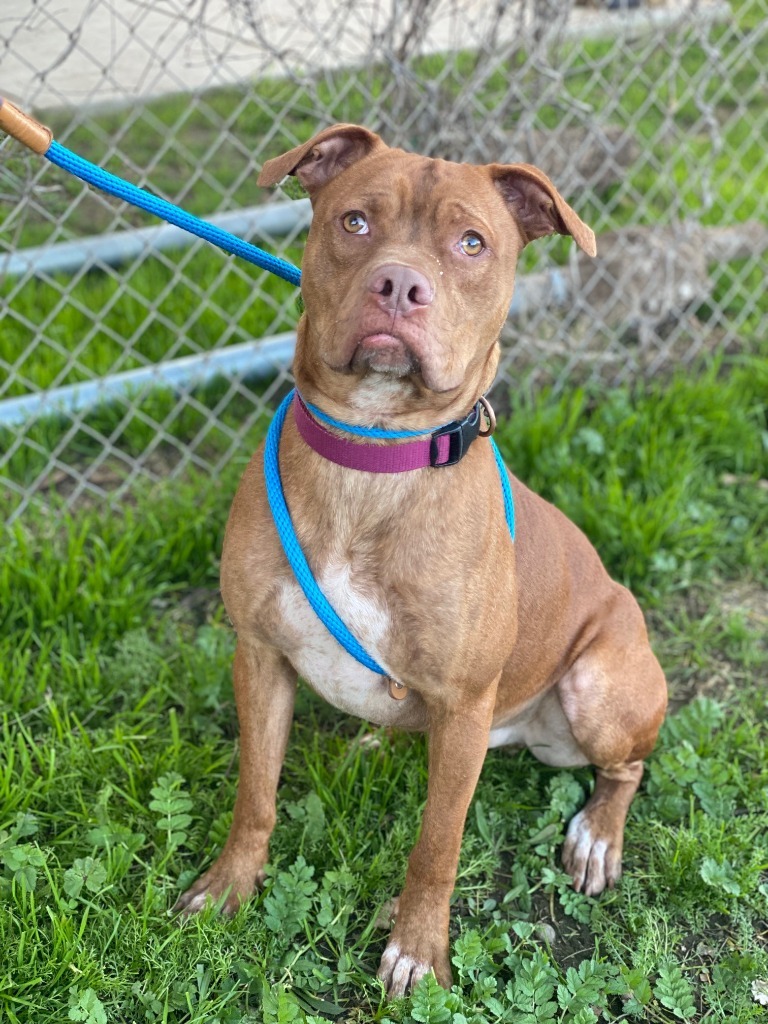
490,416
460,434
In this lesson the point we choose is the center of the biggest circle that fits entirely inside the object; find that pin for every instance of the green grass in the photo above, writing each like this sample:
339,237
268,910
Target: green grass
171,308
117,773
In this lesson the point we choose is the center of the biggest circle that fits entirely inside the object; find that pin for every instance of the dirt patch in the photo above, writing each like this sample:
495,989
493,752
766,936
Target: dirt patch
749,600
724,671
197,606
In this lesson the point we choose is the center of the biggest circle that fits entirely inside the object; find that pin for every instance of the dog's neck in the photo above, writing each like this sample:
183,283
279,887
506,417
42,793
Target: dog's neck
374,450
380,400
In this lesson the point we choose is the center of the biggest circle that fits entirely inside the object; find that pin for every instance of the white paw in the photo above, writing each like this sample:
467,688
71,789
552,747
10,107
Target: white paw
401,972
592,860
197,903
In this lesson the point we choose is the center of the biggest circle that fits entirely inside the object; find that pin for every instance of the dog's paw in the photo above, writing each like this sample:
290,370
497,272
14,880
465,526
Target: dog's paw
223,885
402,968
592,853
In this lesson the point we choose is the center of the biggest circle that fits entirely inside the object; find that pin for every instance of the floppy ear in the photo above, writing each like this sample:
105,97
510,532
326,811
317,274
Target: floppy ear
327,154
538,207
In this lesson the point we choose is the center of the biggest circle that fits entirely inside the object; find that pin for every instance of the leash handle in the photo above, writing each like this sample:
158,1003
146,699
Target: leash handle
24,128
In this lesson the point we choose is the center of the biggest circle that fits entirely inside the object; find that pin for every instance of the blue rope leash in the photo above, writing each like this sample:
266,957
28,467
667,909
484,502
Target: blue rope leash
292,548
101,179
506,490
290,542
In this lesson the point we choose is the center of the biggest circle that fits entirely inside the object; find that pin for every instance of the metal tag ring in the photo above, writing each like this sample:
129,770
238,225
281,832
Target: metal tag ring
490,415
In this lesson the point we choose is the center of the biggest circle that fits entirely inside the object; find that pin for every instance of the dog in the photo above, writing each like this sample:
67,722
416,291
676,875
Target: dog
478,639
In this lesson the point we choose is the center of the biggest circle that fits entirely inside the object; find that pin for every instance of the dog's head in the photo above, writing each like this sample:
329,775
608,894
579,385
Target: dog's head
409,269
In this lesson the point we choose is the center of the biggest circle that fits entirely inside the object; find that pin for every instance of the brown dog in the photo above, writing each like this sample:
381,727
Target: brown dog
408,275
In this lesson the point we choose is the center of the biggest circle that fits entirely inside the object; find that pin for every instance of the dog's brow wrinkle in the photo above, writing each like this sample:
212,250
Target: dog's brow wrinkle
429,177
372,201
425,209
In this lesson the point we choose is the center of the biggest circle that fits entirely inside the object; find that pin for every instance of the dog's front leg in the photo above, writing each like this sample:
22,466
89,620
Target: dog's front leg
458,741
265,686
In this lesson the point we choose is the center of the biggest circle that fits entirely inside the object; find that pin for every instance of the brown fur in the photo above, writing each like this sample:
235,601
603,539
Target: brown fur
486,634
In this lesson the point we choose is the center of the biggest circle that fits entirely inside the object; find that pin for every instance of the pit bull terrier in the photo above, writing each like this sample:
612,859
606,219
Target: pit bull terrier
482,641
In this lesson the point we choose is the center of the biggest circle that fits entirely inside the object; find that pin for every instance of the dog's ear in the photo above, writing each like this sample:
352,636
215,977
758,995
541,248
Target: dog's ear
538,207
327,154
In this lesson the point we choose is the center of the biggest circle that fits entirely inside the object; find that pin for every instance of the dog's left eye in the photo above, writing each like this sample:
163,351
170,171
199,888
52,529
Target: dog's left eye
471,244
355,223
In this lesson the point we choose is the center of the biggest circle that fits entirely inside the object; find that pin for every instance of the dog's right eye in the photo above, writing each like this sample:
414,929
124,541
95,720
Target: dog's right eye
355,223
471,244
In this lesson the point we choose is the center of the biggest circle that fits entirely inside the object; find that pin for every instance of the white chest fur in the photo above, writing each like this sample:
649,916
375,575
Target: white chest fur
346,684
323,662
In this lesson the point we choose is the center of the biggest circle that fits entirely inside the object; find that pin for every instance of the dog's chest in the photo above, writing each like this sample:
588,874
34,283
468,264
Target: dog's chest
321,660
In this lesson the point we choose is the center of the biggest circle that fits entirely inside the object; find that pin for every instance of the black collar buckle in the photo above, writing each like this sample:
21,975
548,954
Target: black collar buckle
461,434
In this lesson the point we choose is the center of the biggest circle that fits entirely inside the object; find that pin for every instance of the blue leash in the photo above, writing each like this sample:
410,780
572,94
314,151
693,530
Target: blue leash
101,179
290,542
506,490
292,548
39,139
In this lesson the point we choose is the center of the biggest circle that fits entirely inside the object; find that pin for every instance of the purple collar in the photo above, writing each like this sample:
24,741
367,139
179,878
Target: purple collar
444,447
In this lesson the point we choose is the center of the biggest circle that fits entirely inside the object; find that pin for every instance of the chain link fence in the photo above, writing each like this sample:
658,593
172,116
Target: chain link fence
131,352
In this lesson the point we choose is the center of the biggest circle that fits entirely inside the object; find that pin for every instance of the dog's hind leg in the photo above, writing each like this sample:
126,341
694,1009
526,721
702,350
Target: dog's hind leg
614,698
595,839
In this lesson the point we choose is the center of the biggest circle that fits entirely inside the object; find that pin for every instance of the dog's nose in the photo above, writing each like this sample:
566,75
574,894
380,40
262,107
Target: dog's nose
401,289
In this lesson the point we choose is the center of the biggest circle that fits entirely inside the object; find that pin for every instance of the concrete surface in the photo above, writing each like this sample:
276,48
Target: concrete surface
70,52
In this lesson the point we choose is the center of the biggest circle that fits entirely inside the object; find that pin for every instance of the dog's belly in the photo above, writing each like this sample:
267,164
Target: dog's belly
543,728
324,664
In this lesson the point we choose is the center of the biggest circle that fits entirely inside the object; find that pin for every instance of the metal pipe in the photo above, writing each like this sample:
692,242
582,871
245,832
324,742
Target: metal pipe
276,219
257,359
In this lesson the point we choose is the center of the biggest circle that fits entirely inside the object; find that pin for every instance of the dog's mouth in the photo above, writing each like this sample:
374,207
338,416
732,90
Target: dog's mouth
384,353
381,355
